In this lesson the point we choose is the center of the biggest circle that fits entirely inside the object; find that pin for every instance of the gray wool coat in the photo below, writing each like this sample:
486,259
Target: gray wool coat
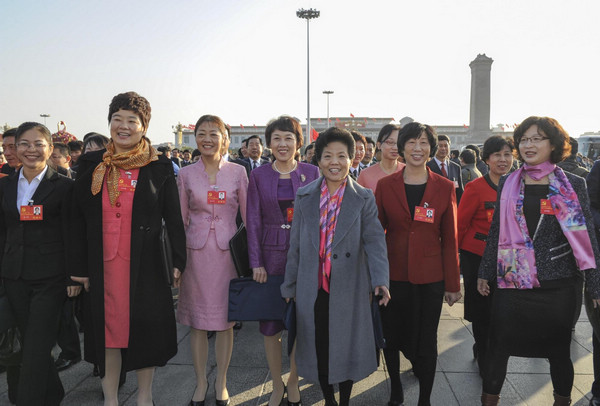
359,264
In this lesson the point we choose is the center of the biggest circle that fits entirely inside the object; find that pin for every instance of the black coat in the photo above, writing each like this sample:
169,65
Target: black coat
35,250
152,336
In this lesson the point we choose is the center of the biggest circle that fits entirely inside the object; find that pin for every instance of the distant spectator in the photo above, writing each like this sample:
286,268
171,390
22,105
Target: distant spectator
570,163
94,142
454,156
483,168
468,171
360,145
309,151
76,148
61,158
195,155
166,150
187,158
369,152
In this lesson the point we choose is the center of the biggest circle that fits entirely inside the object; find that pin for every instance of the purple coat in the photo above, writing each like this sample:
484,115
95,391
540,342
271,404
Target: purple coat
268,241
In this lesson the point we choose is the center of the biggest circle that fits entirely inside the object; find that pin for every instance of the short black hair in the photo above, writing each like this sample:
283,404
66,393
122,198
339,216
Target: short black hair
370,140
62,148
550,128
253,137
574,146
284,123
443,137
468,156
195,153
10,133
334,134
496,143
475,149
386,131
97,139
75,145
32,125
413,131
133,102
358,137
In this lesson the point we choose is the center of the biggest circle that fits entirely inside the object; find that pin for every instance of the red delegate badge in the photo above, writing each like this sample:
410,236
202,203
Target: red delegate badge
32,213
127,185
290,214
216,197
546,207
424,214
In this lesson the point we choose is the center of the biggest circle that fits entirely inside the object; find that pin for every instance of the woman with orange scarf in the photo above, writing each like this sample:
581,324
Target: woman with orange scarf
121,196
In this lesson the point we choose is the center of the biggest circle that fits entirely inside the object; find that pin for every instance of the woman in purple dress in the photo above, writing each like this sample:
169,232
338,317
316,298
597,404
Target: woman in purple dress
271,194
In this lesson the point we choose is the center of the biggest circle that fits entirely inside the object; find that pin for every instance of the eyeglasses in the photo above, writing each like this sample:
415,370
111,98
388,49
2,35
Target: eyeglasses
40,146
536,139
390,143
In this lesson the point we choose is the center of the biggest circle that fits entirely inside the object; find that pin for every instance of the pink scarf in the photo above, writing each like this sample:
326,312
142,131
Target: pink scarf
329,209
516,257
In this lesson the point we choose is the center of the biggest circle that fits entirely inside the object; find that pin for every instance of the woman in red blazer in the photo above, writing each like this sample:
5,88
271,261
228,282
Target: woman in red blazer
475,213
417,209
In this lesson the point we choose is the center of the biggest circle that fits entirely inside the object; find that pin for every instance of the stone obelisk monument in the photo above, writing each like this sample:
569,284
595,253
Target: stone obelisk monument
479,124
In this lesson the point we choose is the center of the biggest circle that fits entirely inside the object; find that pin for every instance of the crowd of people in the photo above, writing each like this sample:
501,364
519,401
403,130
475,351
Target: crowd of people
366,238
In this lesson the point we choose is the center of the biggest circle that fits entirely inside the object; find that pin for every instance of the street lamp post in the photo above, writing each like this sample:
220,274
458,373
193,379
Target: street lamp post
45,116
308,15
328,92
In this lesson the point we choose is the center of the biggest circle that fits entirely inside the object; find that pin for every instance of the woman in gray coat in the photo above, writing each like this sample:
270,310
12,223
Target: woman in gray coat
333,268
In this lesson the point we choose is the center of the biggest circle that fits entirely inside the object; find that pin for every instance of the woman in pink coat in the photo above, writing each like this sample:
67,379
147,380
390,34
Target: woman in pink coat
211,192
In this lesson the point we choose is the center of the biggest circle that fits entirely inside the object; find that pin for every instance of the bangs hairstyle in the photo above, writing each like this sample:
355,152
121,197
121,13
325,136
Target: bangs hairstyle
550,128
386,131
216,120
32,125
134,102
334,134
496,143
285,123
413,131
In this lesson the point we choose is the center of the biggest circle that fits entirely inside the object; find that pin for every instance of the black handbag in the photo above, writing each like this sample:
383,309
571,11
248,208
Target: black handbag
253,301
289,321
238,246
377,326
166,253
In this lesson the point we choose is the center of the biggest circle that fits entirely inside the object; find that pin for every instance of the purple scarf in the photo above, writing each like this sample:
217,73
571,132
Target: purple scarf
516,258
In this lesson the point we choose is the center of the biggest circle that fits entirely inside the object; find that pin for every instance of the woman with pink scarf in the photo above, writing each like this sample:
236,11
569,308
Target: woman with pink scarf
539,241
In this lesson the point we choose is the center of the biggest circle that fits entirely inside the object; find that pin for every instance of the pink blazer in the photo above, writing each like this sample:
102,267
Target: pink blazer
198,215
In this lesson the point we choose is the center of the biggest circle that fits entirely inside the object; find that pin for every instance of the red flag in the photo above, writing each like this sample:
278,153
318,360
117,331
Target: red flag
319,120
313,134
241,126
337,119
351,115
466,126
254,125
366,122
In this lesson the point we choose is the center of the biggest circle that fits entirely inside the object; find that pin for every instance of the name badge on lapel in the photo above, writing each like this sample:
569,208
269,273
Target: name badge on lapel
127,185
32,212
216,197
290,214
546,207
424,214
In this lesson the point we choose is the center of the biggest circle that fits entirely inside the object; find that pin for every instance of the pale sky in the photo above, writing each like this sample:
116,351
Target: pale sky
245,61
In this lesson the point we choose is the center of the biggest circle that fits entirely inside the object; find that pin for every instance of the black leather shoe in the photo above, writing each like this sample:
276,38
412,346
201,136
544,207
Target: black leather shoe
62,364
595,401
222,402
200,402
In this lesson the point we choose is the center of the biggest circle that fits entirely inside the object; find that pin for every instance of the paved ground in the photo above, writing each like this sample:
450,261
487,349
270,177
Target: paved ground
457,380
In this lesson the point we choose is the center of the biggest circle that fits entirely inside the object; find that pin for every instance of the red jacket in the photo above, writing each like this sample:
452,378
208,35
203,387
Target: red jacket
475,213
420,252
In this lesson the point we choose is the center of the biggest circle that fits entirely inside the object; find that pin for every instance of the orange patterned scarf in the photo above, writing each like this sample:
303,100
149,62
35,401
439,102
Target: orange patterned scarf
141,155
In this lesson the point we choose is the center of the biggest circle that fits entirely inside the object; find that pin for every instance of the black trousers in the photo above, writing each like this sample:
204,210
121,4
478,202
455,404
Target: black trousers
37,305
68,335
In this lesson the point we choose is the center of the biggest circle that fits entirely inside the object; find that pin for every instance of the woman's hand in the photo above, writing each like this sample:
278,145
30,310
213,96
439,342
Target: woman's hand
73,290
287,299
176,277
596,303
259,274
482,287
452,297
385,293
84,281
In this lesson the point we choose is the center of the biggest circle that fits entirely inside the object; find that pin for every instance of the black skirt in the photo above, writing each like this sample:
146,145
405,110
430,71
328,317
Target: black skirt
534,323
410,320
477,307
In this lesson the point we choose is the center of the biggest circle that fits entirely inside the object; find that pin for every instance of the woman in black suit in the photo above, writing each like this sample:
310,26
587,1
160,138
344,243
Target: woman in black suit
120,197
33,241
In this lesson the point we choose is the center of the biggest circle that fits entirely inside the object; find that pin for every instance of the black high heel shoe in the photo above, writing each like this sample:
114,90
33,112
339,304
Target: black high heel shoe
200,402
220,402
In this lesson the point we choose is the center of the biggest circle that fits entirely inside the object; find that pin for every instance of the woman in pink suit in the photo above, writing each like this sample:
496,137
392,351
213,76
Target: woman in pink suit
211,192
271,195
